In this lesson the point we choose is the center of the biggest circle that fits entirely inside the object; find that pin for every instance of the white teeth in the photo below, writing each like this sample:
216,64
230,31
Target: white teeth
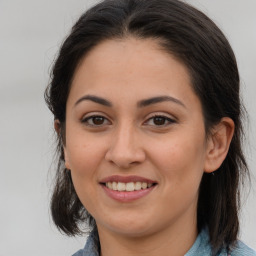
109,185
130,186
121,186
114,185
144,185
137,185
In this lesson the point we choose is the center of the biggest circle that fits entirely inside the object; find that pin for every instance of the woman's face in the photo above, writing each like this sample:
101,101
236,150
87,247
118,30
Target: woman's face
135,138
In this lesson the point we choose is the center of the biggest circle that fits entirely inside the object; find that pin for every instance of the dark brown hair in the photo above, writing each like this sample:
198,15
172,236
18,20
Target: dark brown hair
198,43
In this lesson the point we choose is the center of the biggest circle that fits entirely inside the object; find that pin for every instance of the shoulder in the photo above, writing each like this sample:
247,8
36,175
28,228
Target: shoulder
91,247
241,249
79,253
202,247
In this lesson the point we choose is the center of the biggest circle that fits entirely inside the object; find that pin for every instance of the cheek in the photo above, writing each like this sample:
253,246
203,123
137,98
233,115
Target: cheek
181,161
83,155
84,158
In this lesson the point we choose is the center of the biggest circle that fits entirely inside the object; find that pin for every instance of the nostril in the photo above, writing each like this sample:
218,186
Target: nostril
124,155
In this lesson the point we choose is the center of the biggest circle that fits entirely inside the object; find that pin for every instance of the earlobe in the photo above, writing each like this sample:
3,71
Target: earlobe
218,144
57,128
66,159
66,162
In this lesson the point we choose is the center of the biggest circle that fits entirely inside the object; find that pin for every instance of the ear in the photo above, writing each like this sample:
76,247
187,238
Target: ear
57,128
218,144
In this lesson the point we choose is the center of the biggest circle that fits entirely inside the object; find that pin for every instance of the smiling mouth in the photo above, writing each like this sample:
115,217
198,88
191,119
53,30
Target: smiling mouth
129,186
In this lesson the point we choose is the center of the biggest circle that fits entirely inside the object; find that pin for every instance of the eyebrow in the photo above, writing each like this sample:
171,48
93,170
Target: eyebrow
96,99
154,100
140,104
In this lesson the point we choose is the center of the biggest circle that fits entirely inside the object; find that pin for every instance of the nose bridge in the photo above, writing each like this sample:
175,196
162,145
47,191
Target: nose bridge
125,148
125,134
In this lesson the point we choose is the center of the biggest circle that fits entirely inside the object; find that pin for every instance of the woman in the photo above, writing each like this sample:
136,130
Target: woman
145,97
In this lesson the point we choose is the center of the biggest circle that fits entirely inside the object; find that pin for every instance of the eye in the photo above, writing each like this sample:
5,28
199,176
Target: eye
95,120
160,120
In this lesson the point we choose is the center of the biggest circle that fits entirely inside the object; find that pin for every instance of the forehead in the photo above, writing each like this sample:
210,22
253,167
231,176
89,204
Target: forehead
138,66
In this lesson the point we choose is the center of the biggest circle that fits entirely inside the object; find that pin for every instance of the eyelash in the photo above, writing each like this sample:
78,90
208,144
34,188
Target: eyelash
165,118
90,118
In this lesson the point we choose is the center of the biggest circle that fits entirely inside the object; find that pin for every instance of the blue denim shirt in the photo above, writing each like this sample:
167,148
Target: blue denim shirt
201,247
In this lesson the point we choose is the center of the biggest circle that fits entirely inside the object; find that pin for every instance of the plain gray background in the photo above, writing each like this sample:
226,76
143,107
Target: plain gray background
30,34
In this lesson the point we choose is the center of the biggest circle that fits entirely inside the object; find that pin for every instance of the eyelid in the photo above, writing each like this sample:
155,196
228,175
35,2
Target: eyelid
170,119
89,116
94,113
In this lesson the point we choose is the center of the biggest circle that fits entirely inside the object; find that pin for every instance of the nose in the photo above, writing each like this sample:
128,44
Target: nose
125,149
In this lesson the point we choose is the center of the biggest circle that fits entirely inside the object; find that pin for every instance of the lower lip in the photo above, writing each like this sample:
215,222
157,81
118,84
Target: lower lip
124,196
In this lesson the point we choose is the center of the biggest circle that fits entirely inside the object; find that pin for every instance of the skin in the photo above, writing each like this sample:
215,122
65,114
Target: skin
128,140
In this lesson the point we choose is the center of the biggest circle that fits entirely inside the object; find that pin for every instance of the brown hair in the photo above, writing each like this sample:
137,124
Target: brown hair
199,44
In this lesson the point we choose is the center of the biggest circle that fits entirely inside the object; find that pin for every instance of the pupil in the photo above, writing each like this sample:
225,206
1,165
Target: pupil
98,120
159,120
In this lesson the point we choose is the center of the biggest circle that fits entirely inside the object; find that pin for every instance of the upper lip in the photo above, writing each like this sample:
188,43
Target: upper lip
126,179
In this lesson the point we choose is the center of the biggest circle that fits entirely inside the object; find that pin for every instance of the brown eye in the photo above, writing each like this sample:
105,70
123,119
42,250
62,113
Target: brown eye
98,120
159,120
95,121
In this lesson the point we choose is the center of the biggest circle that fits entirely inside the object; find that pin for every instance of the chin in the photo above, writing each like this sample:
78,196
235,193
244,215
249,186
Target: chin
129,227
132,232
